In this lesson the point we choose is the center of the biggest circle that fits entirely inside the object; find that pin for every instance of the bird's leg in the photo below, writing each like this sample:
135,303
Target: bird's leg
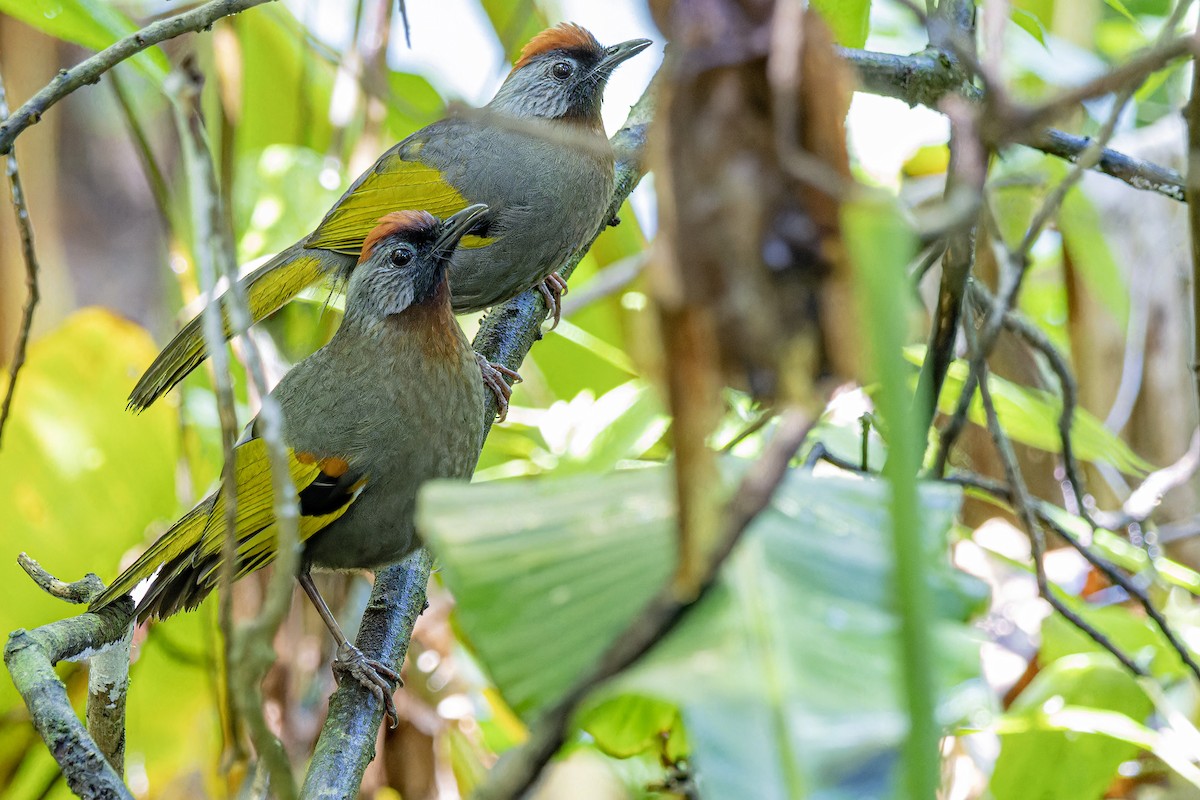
493,379
380,679
552,289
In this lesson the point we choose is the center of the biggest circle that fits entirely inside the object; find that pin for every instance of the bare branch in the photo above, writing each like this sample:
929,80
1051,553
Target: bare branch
90,70
25,230
926,77
80,591
30,657
1193,196
1023,505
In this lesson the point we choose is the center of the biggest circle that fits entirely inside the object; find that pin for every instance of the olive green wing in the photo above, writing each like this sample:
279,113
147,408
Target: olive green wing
399,181
189,557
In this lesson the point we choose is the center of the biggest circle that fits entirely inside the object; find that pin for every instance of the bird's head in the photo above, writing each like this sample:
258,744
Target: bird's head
404,261
561,74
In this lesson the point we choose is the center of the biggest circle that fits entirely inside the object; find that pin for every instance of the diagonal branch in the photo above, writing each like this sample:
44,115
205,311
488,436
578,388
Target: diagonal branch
91,69
25,230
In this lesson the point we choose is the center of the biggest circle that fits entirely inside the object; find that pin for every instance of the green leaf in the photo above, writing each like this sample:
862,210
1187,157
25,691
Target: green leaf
796,640
629,724
1031,417
285,87
850,20
1029,23
1084,237
93,24
880,244
412,104
1046,753
1119,7
82,481
1132,633
515,22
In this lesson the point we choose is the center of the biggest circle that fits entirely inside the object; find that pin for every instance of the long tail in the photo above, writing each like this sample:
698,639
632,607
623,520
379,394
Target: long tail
268,288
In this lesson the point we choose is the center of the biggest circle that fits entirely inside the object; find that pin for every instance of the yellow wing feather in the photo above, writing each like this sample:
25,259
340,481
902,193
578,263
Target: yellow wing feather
393,184
202,530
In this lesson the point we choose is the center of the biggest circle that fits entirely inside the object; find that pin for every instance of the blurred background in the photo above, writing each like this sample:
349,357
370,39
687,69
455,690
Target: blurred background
300,97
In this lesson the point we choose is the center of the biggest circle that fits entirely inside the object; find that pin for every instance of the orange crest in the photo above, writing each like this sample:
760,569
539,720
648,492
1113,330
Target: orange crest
397,222
563,36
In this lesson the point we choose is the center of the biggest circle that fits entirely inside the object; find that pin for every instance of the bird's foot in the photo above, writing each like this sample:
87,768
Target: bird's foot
493,379
614,221
553,289
378,678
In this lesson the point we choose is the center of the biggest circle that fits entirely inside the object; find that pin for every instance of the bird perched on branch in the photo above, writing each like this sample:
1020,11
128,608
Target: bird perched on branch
536,155
393,400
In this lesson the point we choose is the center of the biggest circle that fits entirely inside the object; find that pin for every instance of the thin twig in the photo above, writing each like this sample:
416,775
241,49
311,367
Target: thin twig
1141,503
1124,78
1023,506
250,651
77,592
514,774
90,70
925,78
1068,388
25,230
1045,513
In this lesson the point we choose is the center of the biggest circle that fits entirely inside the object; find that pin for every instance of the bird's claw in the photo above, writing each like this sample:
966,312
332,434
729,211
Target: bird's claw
553,289
493,379
378,678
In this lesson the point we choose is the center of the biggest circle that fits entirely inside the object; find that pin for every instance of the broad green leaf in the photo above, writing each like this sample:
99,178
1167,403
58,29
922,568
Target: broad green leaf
545,571
285,88
1132,632
1038,758
82,481
1030,416
800,639
1119,7
413,104
1084,235
1029,23
515,22
796,640
628,725
93,24
850,20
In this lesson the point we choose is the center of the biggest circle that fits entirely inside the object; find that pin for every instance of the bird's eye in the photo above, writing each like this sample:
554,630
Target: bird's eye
561,70
401,256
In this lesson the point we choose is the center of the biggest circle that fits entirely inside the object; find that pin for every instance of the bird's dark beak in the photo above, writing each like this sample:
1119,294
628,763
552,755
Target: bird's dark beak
455,227
622,52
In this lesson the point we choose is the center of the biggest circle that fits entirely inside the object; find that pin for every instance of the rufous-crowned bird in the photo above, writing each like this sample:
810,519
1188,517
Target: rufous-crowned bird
393,400
536,155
